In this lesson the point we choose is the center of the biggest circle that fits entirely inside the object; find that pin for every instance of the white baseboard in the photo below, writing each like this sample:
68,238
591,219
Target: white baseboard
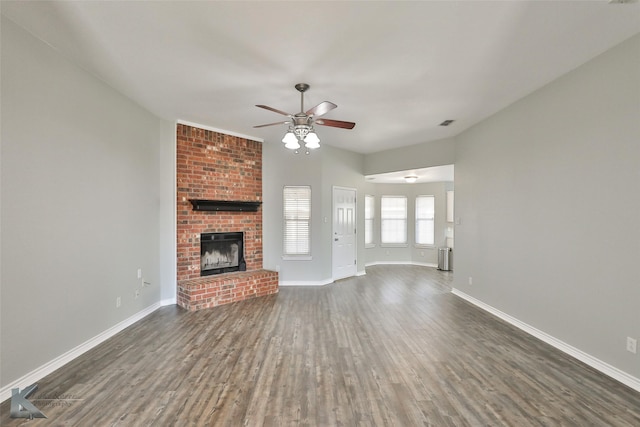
284,283
595,363
58,362
317,282
371,264
423,264
168,301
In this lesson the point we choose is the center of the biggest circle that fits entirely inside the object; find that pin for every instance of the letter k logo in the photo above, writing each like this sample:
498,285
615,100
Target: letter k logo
21,407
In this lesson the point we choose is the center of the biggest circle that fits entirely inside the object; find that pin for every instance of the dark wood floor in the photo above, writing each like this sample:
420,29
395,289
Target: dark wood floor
394,347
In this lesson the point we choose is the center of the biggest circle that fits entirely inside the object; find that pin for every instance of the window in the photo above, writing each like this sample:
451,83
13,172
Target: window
425,212
393,220
297,221
369,215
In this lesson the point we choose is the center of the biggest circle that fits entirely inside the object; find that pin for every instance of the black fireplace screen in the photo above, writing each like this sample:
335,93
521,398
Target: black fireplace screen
221,253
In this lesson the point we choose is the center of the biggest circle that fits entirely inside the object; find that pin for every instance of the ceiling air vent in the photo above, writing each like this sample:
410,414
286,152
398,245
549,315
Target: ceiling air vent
447,122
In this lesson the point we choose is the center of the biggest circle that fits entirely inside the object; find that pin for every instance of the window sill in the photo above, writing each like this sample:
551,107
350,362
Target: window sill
297,257
394,245
425,246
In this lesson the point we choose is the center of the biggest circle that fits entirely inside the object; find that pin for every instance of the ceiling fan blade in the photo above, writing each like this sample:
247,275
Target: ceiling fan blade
274,110
335,123
320,109
273,124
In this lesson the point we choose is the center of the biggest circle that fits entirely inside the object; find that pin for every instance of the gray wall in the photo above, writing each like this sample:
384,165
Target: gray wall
81,203
322,169
409,254
167,248
282,167
434,153
342,168
548,196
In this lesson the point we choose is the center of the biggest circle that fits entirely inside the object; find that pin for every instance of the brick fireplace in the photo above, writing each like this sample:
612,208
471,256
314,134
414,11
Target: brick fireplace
219,175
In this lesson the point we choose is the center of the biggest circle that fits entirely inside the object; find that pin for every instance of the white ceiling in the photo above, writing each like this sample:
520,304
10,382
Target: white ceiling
397,69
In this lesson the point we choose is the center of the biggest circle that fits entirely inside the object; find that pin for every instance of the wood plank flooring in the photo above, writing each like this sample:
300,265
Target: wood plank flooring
392,348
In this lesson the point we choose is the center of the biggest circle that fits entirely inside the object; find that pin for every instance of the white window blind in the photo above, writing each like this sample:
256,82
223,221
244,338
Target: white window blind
369,215
425,214
393,220
297,220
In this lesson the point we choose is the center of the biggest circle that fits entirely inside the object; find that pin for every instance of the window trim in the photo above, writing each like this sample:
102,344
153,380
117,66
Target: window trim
406,221
433,220
372,244
295,256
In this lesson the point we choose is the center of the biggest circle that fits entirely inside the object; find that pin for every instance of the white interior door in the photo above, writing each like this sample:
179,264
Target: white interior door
344,232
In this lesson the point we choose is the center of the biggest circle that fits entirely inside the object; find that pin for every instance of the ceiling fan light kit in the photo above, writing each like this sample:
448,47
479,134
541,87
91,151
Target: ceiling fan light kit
301,124
312,141
290,141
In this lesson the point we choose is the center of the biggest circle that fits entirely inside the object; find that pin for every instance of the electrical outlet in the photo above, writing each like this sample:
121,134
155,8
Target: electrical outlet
632,345
118,302
470,280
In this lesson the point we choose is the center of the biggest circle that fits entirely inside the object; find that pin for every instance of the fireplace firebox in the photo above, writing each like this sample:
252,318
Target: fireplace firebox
221,253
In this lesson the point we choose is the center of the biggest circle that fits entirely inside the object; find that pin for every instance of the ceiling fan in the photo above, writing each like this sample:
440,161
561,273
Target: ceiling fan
301,124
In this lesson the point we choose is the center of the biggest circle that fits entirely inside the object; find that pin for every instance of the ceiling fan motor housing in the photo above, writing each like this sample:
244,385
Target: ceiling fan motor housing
301,119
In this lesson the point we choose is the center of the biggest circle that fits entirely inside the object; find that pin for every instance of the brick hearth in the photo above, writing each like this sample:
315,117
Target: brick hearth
210,291
215,166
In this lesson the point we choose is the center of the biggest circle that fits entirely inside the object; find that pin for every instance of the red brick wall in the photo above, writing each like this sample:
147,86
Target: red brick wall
215,166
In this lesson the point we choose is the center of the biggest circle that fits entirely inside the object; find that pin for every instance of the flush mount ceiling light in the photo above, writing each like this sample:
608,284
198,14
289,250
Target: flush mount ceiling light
410,179
301,129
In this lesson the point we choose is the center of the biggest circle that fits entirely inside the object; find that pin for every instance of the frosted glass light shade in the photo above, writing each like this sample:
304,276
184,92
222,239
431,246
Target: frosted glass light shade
289,137
292,145
312,141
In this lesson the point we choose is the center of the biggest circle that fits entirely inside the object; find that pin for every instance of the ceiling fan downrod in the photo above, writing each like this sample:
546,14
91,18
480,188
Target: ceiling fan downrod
302,88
